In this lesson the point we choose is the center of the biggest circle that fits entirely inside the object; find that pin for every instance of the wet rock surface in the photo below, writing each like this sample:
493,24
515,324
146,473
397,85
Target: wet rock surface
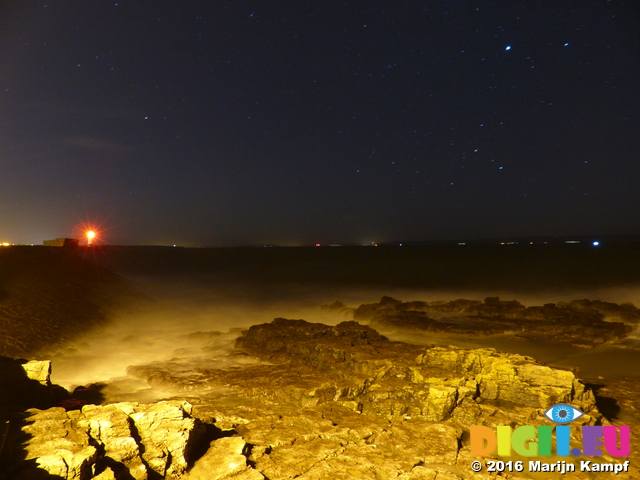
344,402
312,401
337,402
579,322
364,371
130,440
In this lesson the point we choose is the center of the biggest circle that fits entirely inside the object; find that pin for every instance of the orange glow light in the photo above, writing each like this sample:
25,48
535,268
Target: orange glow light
89,233
90,236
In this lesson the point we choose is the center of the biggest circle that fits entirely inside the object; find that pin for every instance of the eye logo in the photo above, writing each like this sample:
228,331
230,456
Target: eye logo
563,413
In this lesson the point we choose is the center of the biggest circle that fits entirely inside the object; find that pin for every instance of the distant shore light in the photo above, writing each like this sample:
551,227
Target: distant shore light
596,244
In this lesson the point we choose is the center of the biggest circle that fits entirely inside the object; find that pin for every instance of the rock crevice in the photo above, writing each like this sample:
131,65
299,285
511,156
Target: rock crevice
336,402
139,441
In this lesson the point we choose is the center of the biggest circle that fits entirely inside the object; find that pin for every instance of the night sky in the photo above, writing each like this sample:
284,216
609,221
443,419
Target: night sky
215,123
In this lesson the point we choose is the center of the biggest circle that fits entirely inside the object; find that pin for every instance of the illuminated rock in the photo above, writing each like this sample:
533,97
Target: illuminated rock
107,474
331,441
224,460
110,427
57,445
39,371
343,402
129,438
164,429
357,367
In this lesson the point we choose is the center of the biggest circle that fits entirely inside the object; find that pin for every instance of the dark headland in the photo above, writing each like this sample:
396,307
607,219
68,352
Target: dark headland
177,350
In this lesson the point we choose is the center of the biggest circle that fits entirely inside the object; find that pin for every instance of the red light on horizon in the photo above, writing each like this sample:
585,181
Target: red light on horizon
91,235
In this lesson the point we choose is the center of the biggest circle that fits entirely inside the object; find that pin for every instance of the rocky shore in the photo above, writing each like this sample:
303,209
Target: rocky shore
579,322
323,402
293,399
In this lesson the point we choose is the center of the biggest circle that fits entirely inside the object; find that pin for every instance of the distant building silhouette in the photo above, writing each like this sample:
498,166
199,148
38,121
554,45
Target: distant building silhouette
61,242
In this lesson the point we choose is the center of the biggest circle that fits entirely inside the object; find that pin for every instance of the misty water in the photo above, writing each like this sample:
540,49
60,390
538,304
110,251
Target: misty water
190,325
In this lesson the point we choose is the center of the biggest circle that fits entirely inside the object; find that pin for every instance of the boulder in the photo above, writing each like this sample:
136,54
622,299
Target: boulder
39,370
129,439
224,460
510,379
57,445
26,385
164,429
111,428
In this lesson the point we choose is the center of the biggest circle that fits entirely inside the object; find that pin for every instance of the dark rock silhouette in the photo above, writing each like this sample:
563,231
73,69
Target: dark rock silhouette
579,322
